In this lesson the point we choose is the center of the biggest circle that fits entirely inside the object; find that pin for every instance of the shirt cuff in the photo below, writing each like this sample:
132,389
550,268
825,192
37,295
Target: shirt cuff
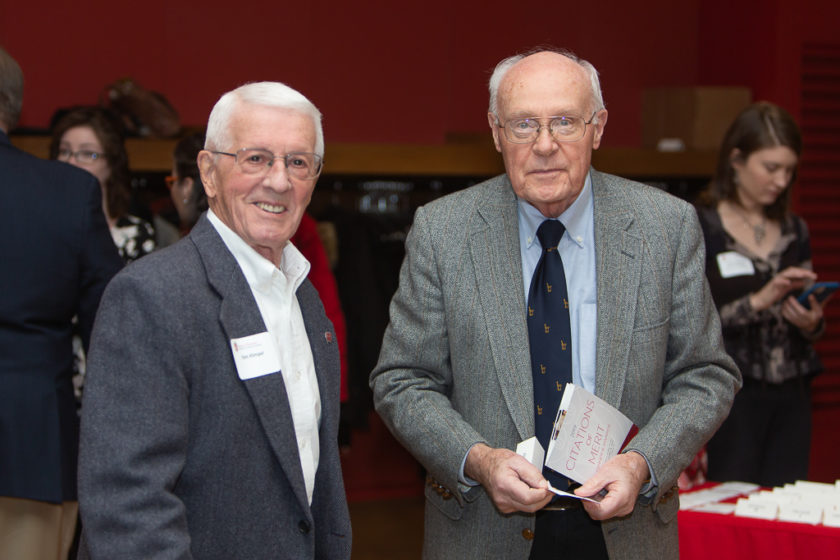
649,489
463,478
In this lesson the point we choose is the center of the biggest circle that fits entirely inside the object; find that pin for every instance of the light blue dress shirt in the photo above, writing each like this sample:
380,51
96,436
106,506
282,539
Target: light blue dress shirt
577,249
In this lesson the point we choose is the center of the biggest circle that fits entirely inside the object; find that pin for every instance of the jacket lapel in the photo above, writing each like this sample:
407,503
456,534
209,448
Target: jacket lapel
496,258
239,317
320,345
618,254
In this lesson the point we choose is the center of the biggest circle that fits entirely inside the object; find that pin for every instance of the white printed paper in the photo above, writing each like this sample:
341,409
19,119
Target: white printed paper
255,355
831,517
532,451
757,508
801,513
575,496
588,432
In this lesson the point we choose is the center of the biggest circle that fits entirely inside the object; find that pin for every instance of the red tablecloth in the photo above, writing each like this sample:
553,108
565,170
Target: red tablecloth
705,536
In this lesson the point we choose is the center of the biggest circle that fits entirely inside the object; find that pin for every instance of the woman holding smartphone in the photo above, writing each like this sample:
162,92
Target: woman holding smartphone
758,259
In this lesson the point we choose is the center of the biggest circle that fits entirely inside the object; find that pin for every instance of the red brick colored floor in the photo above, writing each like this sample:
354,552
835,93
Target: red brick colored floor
385,490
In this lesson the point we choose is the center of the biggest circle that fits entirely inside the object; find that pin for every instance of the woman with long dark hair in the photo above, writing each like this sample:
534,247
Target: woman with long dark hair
758,258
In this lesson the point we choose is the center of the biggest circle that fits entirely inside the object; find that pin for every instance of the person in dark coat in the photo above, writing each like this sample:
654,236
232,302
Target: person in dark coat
57,256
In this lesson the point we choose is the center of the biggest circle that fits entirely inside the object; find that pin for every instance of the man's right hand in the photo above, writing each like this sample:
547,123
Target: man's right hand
512,482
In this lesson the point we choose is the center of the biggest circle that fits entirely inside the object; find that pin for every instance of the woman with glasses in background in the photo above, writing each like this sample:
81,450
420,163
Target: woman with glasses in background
92,139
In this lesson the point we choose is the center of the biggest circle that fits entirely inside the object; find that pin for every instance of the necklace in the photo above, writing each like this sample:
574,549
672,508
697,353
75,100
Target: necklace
759,230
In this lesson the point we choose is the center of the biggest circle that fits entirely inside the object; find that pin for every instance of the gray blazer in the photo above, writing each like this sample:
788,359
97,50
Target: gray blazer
455,368
179,457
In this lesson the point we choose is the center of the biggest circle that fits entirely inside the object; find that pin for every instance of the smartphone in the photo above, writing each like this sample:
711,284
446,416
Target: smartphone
820,289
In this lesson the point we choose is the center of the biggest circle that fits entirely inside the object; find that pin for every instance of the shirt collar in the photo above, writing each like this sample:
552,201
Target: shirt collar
574,218
259,272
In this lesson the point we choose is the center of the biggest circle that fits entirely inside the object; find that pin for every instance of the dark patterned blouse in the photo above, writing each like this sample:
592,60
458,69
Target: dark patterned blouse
134,237
765,346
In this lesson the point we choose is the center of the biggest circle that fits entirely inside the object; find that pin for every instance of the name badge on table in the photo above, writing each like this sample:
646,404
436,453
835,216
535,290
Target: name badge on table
732,263
255,355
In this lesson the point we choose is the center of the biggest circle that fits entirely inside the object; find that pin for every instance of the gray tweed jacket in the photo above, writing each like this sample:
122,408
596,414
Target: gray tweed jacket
180,458
455,368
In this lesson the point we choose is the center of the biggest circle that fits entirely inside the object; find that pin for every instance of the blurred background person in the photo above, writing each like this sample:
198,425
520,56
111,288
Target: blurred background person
185,186
57,257
92,139
758,258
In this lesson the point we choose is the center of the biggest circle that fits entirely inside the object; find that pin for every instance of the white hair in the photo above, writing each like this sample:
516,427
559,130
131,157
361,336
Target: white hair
268,94
505,65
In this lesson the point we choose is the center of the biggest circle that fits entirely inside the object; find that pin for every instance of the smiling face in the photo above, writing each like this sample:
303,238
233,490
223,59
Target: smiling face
264,210
546,173
764,175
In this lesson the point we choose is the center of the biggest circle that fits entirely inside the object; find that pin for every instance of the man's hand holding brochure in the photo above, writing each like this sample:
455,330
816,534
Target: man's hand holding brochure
588,433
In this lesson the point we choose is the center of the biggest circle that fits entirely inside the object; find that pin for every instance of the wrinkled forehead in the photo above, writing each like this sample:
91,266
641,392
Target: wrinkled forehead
545,84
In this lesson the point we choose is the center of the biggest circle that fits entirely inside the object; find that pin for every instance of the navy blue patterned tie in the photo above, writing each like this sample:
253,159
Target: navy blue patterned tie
549,334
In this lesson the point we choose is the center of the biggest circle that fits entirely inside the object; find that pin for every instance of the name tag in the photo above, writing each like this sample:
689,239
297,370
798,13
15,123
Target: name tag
732,263
255,355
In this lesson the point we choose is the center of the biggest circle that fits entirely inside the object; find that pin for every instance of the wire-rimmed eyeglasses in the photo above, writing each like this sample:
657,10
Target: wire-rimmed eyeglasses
563,128
257,161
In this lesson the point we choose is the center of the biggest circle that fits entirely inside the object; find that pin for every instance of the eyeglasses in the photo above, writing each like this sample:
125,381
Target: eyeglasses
563,128
170,181
82,156
256,161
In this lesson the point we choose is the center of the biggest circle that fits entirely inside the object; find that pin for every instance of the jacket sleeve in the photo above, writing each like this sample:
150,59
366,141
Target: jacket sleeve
699,380
135,422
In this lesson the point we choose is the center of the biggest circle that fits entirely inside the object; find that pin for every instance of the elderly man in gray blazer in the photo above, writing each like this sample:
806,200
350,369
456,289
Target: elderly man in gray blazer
210,417
454,379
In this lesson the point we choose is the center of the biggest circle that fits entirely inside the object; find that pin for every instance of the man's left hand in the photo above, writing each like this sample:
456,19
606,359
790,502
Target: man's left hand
622,478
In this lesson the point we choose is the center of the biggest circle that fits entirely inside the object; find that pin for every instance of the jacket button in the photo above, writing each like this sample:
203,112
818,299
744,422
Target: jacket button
528,534
303,527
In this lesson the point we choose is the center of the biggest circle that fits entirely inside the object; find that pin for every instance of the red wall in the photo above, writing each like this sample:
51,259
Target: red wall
380,71
408,74
759,43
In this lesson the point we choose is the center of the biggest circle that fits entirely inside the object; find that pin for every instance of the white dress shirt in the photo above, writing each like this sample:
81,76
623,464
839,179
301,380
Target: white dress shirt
274,290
